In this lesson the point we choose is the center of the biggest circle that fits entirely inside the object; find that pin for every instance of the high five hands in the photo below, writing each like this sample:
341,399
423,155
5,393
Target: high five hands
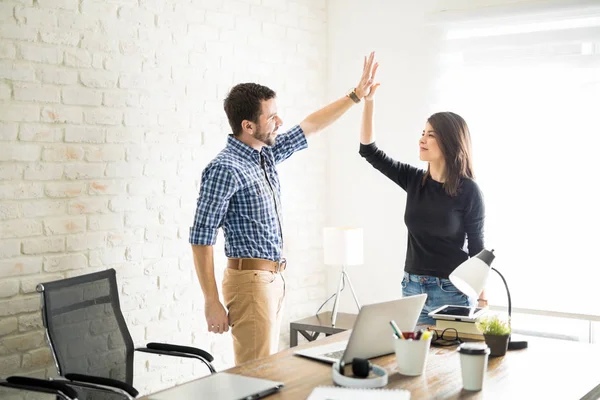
367,86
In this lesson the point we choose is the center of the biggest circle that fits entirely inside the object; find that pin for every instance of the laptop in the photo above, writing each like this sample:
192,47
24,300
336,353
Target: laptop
372,335
221,386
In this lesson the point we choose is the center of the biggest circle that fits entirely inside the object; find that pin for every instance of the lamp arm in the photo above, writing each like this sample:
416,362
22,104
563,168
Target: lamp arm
507,293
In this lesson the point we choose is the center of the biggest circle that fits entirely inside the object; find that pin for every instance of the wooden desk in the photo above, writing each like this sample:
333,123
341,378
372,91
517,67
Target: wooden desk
321,323
549,369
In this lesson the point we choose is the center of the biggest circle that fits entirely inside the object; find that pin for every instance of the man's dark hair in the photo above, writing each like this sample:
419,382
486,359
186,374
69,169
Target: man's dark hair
243,102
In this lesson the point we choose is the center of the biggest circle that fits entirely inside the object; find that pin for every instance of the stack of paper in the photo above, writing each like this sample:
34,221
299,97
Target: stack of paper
343,393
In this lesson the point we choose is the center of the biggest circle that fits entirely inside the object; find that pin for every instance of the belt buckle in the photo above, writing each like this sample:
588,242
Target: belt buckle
281,264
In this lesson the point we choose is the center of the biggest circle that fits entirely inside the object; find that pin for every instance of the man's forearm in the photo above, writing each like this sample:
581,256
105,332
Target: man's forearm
327,115
205,270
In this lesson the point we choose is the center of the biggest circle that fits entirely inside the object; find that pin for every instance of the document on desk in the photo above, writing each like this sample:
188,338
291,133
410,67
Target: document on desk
343,393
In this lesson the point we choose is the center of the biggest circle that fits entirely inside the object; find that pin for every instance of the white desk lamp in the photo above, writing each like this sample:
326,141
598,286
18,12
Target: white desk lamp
471,276
343,246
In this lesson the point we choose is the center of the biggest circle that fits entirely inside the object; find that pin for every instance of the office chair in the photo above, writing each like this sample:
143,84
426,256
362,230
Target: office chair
68,390
61,390
88,336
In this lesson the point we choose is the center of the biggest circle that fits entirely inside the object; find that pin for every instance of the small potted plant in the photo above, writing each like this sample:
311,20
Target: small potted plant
496,333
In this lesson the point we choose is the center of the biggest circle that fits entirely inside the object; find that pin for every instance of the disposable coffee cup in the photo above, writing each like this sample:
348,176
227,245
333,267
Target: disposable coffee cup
473,364
411,355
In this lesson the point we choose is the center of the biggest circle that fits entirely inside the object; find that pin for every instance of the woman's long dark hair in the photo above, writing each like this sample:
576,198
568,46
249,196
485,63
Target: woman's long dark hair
454,139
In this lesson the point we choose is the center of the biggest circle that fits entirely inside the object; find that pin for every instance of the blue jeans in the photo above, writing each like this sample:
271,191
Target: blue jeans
440,292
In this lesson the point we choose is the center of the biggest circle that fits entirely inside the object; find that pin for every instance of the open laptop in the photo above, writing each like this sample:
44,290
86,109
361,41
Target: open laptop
222,386
372,334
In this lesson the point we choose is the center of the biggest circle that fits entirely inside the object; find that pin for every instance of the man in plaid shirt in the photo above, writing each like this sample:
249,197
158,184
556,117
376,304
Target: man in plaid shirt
240,192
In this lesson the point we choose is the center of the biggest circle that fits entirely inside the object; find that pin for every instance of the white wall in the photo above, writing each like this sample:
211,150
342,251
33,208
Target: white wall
407,36
109,110
360,195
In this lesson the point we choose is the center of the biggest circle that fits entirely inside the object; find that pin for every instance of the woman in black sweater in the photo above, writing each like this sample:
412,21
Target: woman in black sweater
444,207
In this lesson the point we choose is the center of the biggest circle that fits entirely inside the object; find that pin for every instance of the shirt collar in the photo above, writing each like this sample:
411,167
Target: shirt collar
244,150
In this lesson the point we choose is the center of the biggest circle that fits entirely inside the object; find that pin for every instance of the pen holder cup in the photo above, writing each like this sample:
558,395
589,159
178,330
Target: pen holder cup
411,355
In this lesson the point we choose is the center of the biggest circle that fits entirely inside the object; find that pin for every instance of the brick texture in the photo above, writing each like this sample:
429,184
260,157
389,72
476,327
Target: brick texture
108,113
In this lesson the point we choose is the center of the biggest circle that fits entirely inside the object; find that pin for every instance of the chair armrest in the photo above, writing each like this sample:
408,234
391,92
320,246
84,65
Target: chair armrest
166,349
130,390
40,385
180,349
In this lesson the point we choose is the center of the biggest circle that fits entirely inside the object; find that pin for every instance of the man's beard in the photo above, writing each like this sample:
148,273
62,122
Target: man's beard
265,137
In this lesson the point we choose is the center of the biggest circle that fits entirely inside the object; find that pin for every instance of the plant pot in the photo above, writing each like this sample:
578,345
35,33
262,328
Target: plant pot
498,344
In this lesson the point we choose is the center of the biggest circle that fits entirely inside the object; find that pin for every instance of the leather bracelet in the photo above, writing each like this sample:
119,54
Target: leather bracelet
352,94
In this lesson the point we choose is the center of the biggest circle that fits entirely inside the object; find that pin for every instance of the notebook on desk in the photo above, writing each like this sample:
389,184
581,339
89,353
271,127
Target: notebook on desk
221,386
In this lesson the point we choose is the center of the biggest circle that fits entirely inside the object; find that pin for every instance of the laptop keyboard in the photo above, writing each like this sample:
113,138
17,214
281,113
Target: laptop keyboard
335,354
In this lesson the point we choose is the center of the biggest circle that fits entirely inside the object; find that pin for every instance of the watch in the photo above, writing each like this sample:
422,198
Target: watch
353,96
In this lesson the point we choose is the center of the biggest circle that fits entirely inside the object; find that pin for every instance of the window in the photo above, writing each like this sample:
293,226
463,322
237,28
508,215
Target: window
530,93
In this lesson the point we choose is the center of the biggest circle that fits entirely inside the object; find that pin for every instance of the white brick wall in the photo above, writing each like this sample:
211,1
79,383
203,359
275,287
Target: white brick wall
108,113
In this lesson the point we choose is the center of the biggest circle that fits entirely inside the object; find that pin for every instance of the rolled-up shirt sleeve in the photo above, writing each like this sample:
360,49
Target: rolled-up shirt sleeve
217,187
288,143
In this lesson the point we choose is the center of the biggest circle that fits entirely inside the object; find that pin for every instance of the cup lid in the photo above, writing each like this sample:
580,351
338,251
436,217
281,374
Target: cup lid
473,348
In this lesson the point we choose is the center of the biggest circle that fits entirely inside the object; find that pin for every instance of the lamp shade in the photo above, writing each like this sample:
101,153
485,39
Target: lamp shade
343,246
471,276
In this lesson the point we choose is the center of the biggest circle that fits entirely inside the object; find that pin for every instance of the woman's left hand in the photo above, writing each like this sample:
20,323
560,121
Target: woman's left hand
371,93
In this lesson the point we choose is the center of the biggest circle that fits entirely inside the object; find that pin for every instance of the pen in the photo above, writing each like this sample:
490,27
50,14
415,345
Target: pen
396,329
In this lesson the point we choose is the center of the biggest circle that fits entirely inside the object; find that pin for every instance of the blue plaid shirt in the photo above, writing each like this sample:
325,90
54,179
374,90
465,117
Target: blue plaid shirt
235,195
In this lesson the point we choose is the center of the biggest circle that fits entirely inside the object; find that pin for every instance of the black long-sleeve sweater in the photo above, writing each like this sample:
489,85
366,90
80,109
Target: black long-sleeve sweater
440,228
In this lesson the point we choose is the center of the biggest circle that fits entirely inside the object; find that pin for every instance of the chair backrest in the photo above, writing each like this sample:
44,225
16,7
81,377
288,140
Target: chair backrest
86,330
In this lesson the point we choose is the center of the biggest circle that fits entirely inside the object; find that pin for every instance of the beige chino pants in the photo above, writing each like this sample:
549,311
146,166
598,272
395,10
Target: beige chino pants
254,299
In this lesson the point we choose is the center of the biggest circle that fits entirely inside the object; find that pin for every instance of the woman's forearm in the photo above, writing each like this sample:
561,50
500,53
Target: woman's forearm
367,136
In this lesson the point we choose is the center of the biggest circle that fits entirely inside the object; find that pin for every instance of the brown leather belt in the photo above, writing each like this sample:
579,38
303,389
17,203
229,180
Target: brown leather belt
256,264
